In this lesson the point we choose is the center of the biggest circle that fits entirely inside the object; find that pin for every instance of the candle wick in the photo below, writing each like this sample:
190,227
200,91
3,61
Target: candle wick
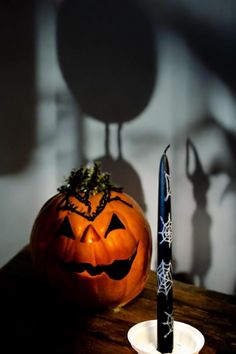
166,149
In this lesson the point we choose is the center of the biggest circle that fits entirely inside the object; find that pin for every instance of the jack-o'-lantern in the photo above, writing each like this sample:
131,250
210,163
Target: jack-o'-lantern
92,242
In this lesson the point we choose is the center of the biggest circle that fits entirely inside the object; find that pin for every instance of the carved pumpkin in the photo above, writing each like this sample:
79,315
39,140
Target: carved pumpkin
92,242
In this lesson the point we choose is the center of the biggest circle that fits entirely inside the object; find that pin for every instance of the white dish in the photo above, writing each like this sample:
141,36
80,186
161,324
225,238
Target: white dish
187,339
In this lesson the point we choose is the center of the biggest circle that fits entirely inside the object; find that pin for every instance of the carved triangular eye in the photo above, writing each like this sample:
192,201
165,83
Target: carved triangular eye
65,229
115,224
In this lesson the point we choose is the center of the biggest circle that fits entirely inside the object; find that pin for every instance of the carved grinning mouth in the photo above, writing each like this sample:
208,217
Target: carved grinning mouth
116,270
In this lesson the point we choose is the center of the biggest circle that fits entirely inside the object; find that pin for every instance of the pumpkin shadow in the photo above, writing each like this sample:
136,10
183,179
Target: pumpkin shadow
107,58
124,175
122,172
33,318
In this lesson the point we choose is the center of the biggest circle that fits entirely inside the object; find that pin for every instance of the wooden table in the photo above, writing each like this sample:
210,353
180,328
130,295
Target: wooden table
33,321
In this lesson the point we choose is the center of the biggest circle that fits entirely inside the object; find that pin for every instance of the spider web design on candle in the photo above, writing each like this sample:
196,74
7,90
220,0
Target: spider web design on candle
166,232
168,190
164,277
169,322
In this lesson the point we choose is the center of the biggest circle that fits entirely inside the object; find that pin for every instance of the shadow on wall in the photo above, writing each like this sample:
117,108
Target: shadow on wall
213,40
123,173
226,166
107,58
17,85
220,166
211,36
201,220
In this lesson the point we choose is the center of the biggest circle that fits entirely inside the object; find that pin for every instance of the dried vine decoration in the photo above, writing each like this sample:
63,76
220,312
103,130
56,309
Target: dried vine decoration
84,183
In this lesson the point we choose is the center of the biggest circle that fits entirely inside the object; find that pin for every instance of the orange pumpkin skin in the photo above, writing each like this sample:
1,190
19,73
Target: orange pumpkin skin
96,259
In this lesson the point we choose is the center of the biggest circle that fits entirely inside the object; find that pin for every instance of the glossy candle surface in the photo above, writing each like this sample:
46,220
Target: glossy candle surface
164,261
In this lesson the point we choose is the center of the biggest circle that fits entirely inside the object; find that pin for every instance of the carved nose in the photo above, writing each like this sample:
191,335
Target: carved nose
90,235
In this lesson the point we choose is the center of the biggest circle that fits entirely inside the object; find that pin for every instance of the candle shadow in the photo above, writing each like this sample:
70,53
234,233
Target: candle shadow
201,220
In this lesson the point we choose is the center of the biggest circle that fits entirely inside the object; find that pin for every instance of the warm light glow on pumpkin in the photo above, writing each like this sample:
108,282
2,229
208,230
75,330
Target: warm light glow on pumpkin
93,248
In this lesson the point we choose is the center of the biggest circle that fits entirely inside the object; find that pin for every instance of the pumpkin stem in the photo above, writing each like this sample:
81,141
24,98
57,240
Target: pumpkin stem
88,181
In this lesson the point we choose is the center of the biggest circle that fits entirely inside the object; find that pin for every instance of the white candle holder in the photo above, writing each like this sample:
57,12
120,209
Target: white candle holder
187,339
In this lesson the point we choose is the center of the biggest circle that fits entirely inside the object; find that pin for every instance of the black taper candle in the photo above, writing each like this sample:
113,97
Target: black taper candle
164,261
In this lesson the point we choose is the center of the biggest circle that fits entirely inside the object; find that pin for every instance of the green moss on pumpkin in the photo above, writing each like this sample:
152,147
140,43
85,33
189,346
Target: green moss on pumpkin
88,181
